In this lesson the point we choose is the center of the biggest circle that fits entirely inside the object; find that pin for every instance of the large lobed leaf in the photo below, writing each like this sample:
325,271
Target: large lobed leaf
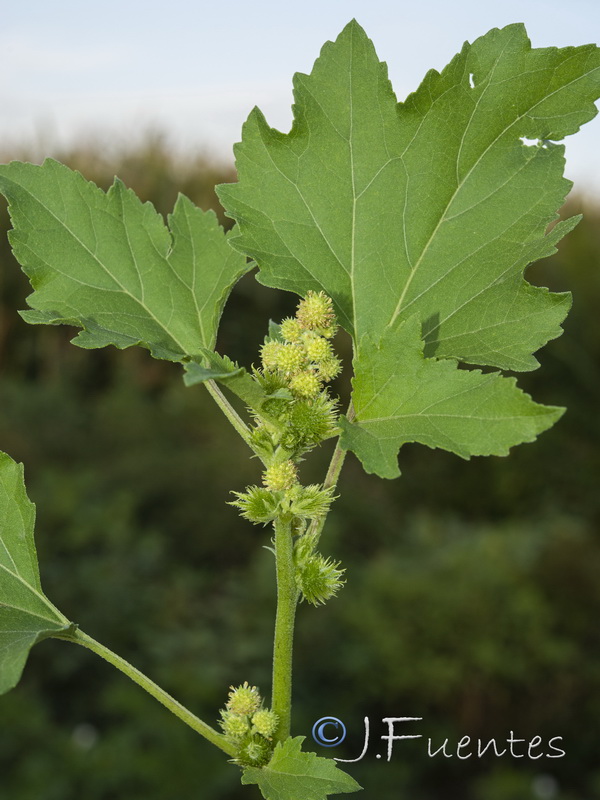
105,262
26,615
400,396
292,774
431,208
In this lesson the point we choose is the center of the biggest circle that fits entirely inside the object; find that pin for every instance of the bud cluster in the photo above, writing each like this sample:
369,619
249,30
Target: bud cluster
248,725
297,363
302,357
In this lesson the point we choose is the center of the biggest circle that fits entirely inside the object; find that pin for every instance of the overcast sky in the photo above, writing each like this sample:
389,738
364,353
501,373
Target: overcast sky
195,69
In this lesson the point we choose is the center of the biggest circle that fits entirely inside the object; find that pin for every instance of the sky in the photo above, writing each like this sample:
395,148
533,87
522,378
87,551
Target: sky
193,70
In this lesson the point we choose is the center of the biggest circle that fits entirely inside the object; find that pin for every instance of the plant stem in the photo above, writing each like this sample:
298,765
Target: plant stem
229,411
331,479
337,459
287,600
213,736
335,467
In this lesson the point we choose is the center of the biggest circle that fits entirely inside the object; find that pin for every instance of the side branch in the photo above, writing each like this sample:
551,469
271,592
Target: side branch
180,711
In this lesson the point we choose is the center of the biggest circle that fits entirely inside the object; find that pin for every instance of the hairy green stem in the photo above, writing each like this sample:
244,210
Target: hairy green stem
287,600
331,479
337,459
230,412
213,736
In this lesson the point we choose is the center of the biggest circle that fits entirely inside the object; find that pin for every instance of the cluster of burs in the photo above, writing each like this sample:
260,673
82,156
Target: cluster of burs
249,725
297,363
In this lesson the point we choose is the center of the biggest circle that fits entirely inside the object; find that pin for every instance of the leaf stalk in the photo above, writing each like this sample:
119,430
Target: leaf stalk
229,411
174,706
331,478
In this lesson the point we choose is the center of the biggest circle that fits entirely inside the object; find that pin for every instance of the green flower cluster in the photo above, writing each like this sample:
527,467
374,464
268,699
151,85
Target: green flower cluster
301,357
248,725
297,363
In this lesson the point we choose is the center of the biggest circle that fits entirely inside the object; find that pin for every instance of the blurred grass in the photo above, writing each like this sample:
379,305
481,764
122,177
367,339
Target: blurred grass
473,592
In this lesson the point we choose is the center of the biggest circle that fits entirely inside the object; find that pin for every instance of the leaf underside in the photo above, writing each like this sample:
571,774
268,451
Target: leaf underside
26,615
430,209
295,775
434,403
105,262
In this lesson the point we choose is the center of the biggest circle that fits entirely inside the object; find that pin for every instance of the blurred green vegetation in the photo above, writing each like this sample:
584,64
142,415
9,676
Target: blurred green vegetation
473,592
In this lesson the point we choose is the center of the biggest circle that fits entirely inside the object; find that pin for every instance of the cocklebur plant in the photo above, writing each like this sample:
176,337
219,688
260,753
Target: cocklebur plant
409,225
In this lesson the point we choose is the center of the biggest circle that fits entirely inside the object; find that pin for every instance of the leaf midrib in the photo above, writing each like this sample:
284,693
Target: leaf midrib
37,594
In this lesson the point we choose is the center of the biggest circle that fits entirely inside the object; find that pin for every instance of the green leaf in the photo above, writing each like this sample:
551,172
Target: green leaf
400,397
294,775
105,262
26,615
431,208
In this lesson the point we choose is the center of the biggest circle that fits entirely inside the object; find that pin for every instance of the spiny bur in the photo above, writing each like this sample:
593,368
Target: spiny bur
319,578
291,330
315,312
306,384
257,504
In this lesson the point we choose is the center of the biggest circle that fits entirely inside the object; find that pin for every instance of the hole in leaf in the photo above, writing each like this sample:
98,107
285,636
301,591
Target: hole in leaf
531,142
471,81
